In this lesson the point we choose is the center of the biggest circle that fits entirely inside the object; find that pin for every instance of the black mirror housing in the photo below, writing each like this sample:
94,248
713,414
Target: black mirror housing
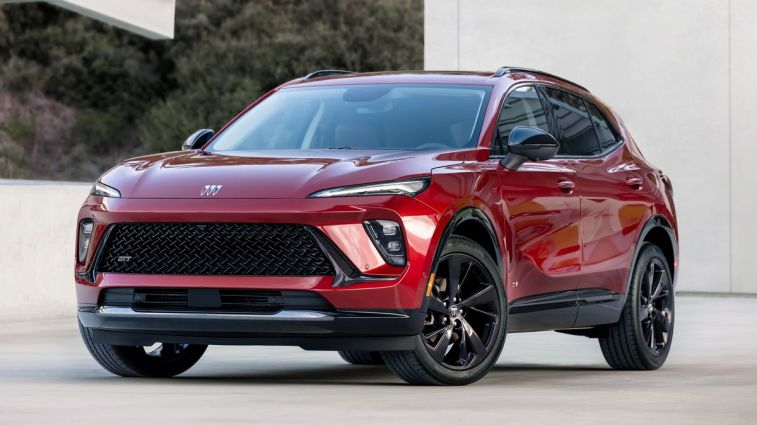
197,139
529,144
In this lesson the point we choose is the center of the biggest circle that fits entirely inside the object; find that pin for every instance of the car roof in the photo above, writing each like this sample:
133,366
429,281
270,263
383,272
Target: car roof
397,77
508,74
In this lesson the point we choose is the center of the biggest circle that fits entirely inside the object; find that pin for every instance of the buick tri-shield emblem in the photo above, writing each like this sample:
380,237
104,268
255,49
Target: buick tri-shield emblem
211,190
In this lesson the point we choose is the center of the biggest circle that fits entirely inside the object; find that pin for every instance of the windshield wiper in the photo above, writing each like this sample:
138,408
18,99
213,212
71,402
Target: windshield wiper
340,147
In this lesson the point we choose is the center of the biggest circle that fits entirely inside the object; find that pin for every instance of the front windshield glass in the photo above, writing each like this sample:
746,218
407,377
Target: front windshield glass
376,116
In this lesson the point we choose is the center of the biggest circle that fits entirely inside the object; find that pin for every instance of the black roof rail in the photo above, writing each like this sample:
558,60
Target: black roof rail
327,72
508,69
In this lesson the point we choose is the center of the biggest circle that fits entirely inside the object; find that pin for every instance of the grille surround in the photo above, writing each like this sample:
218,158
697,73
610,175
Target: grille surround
213,249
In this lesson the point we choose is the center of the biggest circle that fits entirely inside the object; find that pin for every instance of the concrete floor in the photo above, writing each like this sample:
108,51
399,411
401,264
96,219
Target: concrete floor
46,376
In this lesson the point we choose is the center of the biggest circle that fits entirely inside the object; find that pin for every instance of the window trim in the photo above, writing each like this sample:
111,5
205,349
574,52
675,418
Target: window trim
539,86
501,106
554,120
615,136
619,141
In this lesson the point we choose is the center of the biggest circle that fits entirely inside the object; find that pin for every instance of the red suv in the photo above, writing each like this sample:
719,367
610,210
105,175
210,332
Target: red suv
411,219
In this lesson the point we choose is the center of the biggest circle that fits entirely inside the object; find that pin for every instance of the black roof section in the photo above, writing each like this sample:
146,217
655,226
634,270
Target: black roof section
508,69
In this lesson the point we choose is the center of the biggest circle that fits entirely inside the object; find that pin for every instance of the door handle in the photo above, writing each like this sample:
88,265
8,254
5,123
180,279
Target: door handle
566,185
634,182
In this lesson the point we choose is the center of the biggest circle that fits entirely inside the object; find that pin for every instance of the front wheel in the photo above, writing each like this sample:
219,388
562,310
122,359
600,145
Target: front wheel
465,321
642,337
156,361
362,357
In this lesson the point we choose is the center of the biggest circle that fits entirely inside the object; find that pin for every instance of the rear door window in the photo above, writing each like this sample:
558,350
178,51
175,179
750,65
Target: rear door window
575,130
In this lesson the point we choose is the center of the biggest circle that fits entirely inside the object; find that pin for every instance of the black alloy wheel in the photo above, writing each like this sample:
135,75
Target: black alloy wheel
465,324
463,313
362,357
642,338
656,307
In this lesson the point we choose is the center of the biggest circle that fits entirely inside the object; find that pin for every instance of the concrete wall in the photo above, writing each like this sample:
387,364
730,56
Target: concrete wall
37,236
149,18
680,72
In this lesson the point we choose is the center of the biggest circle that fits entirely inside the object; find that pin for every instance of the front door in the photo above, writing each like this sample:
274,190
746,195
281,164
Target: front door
545,214
542,207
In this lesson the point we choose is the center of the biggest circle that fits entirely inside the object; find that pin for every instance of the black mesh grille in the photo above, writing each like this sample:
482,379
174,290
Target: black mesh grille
214,249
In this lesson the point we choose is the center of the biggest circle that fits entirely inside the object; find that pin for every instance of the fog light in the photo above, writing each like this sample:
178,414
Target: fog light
387,238
85,237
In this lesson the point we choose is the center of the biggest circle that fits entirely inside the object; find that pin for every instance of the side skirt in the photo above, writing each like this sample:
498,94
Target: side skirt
565,310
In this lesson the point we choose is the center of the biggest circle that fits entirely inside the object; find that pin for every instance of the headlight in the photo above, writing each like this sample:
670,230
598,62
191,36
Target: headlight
387,236
85,237
100,189
399,187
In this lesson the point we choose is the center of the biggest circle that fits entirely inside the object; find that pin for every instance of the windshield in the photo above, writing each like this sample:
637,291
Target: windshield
376,116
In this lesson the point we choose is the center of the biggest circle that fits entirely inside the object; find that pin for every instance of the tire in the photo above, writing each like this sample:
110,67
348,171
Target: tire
166,361
462,348
362,357
641,339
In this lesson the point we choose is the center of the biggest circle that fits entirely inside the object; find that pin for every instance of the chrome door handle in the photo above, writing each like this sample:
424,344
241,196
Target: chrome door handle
566,185
634,182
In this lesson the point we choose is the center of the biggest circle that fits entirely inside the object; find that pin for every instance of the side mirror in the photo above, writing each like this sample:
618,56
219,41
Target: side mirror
197,139
529,144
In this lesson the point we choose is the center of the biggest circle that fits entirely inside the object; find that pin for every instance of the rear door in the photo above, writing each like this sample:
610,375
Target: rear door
610,183
615,205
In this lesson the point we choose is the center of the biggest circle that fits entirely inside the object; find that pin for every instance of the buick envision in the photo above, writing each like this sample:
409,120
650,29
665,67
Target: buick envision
410,219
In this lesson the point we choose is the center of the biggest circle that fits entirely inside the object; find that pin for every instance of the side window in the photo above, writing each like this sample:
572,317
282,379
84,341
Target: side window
522,107
576,133
605,133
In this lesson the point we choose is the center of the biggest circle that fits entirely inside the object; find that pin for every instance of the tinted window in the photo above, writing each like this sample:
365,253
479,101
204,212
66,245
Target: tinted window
522,107
379,116
606,136
576,133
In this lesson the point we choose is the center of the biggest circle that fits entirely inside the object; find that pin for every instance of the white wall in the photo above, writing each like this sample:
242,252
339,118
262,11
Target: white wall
681,73
37,236
149,18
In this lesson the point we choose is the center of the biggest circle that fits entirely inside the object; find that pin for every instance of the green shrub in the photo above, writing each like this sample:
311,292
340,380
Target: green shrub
131,95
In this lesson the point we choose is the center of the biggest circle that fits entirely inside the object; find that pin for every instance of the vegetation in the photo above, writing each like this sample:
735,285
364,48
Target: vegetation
76,95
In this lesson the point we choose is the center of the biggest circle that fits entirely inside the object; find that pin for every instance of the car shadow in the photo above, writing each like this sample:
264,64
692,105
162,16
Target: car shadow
501,374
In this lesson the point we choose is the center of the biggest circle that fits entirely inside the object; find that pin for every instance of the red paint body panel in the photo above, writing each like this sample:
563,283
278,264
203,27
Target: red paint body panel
549,240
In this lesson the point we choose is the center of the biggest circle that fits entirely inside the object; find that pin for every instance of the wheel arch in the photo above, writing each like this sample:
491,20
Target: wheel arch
658,231
473,223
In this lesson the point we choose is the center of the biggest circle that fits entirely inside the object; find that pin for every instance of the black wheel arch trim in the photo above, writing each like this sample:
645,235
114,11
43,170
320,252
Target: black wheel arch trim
655,222
461,216
464,215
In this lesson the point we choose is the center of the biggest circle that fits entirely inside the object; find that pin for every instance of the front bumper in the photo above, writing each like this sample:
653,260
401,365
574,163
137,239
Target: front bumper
340,220
311,330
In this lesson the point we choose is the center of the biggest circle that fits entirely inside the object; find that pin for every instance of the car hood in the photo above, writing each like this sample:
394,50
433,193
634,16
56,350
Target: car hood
266,174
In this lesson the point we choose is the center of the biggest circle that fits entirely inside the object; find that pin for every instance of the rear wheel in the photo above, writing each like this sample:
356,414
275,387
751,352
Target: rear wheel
158,360
465,322
362,357
641,339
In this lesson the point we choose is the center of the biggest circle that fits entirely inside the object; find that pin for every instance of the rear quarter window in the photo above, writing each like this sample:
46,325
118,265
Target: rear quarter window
606,136
574,127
